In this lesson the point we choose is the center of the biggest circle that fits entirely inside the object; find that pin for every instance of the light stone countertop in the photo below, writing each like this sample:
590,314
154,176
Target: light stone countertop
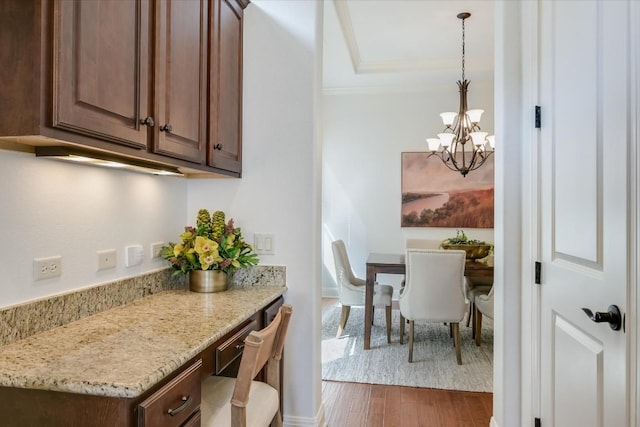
124,351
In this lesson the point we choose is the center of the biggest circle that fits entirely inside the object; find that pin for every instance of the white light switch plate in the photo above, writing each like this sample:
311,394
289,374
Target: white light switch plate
264,243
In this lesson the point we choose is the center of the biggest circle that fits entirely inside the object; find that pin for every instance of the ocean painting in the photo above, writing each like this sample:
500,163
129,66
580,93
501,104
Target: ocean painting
435,196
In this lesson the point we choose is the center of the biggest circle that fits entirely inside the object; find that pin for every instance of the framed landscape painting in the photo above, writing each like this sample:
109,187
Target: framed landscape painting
435,196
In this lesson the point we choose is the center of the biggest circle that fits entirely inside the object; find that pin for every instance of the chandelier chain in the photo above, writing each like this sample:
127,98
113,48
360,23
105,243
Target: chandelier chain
463,50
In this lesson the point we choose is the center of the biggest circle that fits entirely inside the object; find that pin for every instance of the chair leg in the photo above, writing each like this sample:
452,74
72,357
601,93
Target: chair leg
410,341
478,324
388,315
470,314
456,342
402,322
474,313
450,330
343,319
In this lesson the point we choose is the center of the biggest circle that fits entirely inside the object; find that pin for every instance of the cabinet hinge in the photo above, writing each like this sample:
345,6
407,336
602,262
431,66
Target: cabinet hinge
536,422
538,118
538,272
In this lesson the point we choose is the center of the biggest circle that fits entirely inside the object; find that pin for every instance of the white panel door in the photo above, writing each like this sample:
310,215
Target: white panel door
584,193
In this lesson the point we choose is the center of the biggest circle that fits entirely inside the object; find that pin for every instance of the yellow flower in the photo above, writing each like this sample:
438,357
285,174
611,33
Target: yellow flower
187,235
178,249
207,261
205,246
190,256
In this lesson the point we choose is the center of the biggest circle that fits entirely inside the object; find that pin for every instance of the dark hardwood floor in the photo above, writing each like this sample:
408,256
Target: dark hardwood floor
353,405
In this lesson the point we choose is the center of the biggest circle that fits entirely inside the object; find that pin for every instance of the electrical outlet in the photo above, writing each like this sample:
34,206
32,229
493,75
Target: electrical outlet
155,249
46,268
106,259
134,255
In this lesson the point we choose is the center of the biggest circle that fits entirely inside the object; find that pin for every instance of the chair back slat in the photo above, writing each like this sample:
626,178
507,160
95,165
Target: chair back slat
260,347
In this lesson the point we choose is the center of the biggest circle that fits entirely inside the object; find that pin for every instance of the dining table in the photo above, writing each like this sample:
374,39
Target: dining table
381,263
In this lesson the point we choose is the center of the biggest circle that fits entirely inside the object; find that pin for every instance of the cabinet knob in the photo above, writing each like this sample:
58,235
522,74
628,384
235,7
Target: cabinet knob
147,121
166,128
217,147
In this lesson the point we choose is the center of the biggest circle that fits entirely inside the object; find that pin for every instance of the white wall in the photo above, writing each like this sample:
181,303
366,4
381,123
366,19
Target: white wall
50,208
280,187
363,138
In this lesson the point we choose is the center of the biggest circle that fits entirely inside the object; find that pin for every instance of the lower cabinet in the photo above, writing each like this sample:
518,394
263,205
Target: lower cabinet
173,402
176,403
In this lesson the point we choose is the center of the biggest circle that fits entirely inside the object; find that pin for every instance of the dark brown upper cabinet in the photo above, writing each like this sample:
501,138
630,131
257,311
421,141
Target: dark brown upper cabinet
153,80
181,84
225,85
101,69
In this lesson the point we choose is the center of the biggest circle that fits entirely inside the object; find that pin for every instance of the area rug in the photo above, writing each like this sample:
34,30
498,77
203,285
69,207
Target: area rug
434,362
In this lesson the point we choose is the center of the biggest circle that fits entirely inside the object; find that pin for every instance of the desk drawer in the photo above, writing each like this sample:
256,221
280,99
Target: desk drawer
231,349
174,403
271,312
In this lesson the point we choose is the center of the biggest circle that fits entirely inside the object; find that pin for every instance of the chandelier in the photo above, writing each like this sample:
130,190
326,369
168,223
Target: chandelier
462,146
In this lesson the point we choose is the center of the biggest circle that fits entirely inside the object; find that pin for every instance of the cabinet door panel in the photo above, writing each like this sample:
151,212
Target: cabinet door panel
181,84
101,53
225,132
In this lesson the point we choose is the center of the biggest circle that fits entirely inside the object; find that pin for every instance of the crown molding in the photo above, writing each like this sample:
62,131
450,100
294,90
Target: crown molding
361,66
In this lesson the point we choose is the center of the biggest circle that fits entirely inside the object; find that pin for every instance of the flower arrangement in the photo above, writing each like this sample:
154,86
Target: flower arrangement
475,249
211,245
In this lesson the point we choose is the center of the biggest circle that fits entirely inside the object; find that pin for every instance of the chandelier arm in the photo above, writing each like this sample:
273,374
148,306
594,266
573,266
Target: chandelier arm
445,162
483,158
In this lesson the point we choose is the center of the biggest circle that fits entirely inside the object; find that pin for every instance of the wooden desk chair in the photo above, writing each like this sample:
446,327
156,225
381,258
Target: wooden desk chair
434,291
242,401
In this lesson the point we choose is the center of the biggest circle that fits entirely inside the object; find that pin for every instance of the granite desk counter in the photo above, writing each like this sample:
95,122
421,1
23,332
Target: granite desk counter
125,352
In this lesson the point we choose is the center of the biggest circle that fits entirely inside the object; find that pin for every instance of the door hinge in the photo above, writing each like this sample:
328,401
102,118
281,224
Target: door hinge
538,272
536,422
538,118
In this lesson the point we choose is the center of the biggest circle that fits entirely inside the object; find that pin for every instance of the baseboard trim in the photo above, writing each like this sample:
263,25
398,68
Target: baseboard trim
493,423
317,421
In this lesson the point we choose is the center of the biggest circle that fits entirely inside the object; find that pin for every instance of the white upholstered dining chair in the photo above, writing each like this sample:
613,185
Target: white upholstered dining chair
243,401
422,244
483,306
475,287
415,244
351,289
434,291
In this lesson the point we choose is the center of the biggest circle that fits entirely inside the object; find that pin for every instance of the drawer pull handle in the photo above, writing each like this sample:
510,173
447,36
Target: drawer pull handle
187,401
240,346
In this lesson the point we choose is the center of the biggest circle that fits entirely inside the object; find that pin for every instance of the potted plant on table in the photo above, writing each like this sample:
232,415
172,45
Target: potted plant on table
209,252
475,249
